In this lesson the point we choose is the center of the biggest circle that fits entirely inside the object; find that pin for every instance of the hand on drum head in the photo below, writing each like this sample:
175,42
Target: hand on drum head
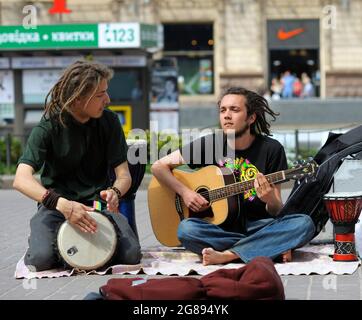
112,200
81,218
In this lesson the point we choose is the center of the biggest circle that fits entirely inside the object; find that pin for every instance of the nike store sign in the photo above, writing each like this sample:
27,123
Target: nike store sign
293,34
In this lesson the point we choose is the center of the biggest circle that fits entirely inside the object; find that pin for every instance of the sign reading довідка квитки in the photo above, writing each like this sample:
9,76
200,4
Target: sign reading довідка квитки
67,36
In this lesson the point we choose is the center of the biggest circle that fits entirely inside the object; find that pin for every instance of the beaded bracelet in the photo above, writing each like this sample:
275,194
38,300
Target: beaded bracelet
116,190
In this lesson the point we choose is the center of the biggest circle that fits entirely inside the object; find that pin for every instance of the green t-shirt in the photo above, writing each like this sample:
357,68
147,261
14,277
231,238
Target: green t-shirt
76,159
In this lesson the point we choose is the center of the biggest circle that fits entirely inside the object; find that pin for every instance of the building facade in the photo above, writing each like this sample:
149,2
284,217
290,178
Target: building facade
240,47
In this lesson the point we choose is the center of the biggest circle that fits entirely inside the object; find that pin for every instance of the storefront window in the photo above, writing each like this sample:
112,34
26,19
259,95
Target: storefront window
195,75
125,86
7,98
293,51
37,84
192,46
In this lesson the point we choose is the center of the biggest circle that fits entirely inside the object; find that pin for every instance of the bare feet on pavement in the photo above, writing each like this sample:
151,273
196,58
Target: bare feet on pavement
287,256
211,256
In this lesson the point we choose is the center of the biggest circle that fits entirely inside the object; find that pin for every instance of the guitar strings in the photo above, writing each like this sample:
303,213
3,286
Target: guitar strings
249,183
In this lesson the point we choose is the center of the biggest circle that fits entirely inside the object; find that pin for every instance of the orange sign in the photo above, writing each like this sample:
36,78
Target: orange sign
59,6
285,35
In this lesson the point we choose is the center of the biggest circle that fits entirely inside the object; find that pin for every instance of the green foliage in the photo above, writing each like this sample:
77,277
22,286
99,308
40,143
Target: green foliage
304,154
148,168
166,143
5,170
15,153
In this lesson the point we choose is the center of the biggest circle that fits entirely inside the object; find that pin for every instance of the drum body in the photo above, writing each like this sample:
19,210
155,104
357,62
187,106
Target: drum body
344,210
87,251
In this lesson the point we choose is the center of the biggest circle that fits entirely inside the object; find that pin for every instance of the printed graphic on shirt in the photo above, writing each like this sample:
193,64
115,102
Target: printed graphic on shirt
243,170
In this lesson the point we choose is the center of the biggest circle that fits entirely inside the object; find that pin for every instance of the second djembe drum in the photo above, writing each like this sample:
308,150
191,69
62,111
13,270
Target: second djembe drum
344,210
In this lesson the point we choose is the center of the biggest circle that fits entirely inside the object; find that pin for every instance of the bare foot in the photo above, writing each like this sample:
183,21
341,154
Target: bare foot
287,256
211,256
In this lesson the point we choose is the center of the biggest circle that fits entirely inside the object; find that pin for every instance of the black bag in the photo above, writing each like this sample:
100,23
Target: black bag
137,172
307,196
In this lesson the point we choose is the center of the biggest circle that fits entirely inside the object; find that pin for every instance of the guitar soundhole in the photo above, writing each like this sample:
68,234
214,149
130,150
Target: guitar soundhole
205,213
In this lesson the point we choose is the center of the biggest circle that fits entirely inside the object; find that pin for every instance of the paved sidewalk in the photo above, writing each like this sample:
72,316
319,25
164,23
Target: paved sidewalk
16,211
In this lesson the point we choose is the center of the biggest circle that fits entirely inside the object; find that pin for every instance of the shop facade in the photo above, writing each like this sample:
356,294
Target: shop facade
220,43
32,61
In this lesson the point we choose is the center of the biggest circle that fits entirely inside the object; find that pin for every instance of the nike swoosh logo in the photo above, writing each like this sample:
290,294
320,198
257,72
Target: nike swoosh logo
285,35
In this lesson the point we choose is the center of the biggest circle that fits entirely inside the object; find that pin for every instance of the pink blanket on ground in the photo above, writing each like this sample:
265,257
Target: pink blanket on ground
311,259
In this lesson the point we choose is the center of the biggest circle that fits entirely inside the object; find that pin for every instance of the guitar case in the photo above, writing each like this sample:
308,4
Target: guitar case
307,196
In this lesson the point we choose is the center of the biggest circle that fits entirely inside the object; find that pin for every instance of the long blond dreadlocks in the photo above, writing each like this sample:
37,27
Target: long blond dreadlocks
77,81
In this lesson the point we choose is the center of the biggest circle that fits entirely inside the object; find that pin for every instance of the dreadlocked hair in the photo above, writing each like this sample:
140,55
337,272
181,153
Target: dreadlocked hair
78,80
254,104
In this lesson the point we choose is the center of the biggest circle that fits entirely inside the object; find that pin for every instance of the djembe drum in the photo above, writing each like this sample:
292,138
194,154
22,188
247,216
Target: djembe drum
344,210
87,251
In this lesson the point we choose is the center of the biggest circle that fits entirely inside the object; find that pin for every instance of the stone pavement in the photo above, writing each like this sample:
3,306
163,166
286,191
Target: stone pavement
16,211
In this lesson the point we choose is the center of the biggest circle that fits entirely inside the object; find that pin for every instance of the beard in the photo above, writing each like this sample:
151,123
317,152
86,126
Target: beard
242,130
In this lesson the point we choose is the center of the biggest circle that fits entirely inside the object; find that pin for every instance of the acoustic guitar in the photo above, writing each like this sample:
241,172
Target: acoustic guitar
218,186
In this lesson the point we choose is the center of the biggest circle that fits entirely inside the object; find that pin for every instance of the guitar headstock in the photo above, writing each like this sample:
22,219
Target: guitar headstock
302,170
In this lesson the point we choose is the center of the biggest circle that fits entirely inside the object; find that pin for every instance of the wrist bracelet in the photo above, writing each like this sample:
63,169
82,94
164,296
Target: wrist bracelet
71,211
45,195
50,199
116,190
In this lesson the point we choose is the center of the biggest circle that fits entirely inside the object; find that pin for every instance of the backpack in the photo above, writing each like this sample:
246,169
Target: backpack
137,172
307,196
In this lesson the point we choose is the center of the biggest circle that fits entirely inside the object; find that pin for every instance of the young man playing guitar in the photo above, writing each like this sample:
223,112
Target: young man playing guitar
262,233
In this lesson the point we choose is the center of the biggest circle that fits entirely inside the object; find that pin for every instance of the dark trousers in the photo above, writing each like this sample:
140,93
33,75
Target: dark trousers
44,226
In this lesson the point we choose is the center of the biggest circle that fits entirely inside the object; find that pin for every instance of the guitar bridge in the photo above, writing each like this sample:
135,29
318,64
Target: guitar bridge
179,207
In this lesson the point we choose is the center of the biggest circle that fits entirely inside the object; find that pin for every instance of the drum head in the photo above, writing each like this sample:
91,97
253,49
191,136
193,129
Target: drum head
343,195
87,251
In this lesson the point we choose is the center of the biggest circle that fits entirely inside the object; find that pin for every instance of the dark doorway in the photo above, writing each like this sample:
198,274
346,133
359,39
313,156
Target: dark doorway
188,37
297,61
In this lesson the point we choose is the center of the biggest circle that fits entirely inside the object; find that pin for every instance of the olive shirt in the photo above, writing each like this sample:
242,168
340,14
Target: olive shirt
76,158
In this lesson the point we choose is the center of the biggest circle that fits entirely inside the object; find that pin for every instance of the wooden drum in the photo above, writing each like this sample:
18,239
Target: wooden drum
344,209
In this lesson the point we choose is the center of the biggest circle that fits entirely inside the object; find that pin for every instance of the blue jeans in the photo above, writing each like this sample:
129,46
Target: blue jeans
266,237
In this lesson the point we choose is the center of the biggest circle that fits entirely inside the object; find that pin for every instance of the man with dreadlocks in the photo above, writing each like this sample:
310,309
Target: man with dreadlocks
258,231
75,143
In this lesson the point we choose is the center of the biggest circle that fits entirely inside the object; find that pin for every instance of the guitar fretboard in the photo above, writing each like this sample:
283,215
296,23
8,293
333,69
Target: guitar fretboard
239,187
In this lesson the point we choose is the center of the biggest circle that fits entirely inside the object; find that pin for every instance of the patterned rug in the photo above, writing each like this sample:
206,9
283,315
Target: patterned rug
311,259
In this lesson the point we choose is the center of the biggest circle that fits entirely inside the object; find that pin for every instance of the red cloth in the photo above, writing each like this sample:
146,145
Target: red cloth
173,288
257,280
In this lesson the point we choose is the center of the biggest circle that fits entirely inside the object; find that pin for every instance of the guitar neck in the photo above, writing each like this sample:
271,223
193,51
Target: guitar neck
240,187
